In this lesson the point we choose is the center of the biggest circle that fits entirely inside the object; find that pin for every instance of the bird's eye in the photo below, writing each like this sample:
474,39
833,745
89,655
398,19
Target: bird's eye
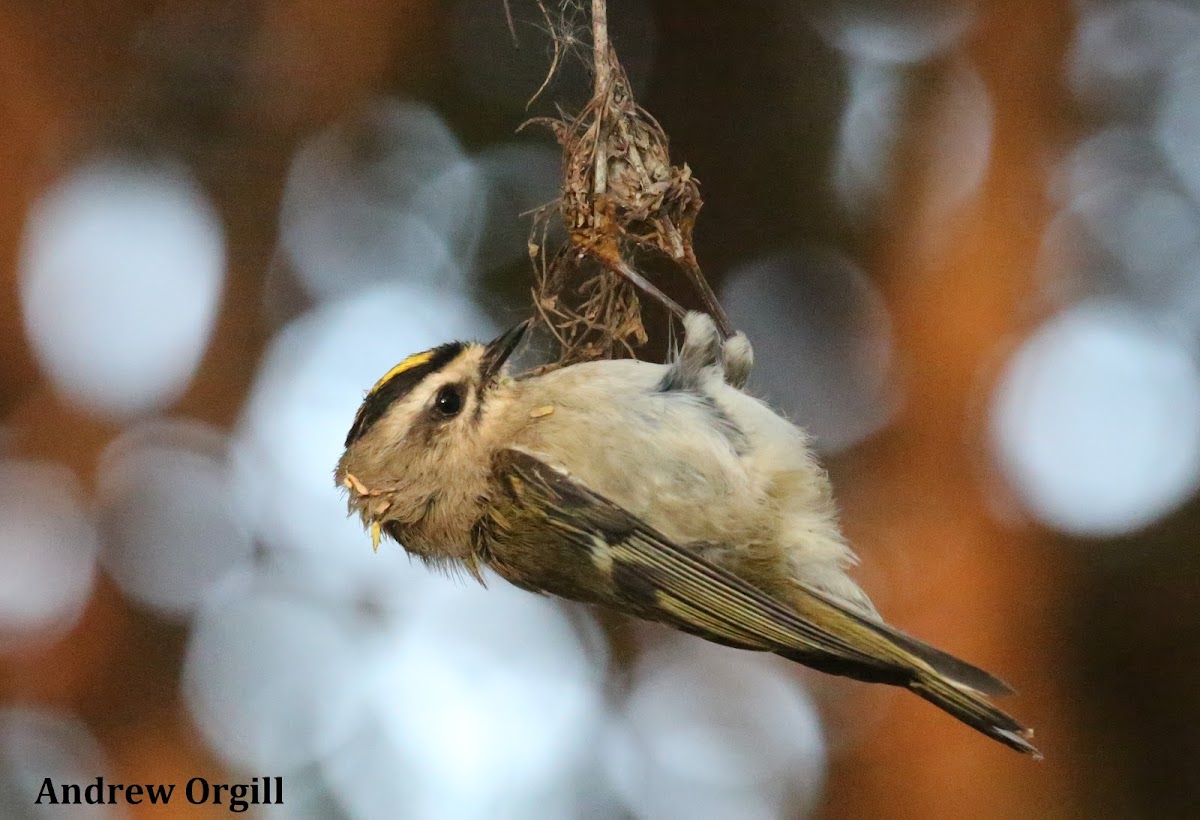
449,401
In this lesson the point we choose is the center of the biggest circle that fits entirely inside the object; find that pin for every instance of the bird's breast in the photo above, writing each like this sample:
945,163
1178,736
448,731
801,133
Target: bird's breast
669,457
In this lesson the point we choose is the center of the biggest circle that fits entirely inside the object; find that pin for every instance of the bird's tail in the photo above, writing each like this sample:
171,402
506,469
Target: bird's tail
959,688
973,709
856,646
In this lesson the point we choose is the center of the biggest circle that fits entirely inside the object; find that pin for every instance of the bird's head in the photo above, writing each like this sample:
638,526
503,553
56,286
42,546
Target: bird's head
415,456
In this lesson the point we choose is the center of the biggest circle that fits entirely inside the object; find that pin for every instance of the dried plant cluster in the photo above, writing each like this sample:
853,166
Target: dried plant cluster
622,203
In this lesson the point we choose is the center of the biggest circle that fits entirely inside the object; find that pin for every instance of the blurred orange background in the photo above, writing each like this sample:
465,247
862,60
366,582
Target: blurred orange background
939,157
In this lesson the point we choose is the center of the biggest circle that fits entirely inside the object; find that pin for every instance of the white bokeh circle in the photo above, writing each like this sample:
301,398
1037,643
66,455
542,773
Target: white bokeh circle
122,268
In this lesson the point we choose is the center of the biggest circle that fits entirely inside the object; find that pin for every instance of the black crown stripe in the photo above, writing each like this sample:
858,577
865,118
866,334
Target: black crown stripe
394,388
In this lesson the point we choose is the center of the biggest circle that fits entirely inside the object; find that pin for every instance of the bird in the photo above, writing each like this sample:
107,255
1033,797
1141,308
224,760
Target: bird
662,491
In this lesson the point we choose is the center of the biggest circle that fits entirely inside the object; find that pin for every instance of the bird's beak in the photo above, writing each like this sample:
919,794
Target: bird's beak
500,348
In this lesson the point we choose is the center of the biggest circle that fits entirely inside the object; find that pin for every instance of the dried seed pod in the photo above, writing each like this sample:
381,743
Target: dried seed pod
622,200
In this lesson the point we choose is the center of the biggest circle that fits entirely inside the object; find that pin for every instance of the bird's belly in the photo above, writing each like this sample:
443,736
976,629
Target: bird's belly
664,461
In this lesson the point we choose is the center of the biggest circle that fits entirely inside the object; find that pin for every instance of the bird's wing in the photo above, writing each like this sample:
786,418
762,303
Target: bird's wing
550,533
556,535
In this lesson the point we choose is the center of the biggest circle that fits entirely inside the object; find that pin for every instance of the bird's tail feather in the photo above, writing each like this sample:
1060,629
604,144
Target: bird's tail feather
951,667
881,653
974,710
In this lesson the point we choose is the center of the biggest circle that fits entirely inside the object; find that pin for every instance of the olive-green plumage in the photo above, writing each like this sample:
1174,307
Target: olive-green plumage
662,491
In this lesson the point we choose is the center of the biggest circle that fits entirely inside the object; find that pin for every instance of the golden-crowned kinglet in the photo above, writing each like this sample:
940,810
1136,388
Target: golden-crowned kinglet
662,491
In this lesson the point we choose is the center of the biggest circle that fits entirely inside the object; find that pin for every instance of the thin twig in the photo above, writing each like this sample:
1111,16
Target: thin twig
600,42
600,59
512,28
614,263
554,59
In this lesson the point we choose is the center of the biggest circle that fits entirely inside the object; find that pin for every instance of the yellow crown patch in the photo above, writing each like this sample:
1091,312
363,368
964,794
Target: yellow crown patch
415,360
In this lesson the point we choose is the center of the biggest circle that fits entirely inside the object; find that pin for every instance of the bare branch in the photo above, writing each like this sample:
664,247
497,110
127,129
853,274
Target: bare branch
601,61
